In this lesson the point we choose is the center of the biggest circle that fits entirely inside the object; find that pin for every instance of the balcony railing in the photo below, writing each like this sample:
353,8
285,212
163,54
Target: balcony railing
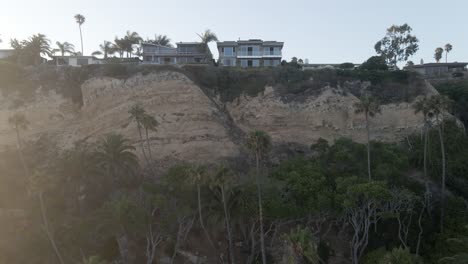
250,53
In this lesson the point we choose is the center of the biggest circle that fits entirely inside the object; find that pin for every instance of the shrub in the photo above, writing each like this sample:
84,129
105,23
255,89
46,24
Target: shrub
458,75
375,63
347,66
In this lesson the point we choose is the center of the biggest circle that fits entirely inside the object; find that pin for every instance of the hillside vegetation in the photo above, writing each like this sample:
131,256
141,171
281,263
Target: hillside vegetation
276,199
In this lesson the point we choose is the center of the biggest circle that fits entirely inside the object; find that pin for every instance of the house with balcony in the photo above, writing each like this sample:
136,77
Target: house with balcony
184,53
440,70
250,53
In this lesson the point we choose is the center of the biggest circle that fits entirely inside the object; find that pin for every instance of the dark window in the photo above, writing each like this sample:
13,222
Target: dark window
249,63
82,62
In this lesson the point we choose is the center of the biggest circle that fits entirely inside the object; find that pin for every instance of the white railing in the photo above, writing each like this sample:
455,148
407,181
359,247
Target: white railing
249,53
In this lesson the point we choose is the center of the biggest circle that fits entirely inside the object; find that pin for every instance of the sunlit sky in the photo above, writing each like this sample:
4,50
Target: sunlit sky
323,31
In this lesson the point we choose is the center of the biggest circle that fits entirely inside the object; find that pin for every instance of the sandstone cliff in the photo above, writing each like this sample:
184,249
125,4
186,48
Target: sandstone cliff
194,126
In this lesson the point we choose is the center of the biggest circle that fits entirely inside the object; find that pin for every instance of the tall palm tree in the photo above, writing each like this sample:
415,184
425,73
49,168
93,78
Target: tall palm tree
64,47
137,114
448,47
80,19
259,143
438,54
36,46
369,106
149,123
19,122
423,106
439,105
116,155
221,184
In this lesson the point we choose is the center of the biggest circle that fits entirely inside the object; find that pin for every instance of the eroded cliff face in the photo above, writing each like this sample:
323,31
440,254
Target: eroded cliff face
329,115
195,127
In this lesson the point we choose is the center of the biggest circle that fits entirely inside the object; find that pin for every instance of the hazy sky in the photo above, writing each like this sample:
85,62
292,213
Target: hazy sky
323,31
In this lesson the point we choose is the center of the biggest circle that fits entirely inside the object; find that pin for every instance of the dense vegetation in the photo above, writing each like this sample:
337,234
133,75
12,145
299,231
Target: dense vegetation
96,203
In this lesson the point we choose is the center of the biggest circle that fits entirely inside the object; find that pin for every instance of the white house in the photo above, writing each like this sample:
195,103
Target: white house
75,61
5,53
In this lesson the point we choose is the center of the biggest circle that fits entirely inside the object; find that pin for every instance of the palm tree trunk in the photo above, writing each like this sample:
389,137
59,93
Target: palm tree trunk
47,230
425,148
81,37
20,152
260,208
201,216
368,147
142,143
442,149
148,144
228,226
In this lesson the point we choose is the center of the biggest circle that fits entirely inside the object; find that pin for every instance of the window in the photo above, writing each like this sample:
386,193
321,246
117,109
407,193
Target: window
244,63
227,62
249,63
256,63
228,51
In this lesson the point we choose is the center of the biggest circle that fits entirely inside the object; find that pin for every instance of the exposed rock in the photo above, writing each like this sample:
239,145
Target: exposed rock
196,127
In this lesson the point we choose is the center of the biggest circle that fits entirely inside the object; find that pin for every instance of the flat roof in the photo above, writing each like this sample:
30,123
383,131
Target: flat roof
250,41
435,64
189,43
77,56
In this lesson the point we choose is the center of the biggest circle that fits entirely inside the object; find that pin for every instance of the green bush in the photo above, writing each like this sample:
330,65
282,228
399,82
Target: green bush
375,63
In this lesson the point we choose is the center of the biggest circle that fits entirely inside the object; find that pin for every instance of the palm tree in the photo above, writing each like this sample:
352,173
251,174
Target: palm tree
221,183
197,175
120,46
36,45
448,47
64,47
438,54
130,39
370,107
161,40
106,49
149,123
80,19
19,122
259,143
38,184
115,154
207,37
138,113
423,106
439,105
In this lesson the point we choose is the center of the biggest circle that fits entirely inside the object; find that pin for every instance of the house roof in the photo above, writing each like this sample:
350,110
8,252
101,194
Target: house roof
11,50
189,43
250,41
450,64
77,56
